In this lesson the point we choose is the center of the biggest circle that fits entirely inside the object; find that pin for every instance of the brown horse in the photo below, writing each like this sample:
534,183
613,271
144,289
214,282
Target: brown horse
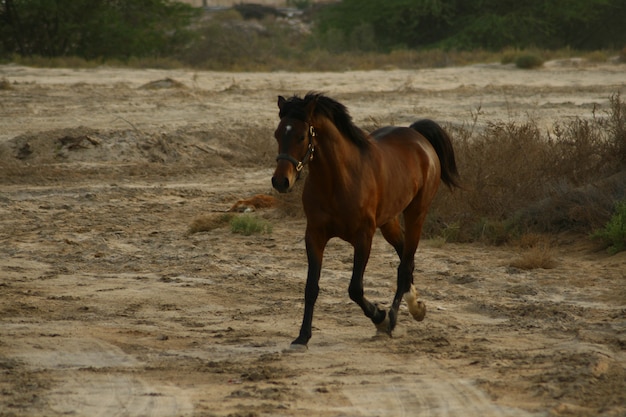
356,183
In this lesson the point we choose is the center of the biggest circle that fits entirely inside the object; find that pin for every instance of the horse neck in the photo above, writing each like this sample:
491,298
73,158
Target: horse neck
337,158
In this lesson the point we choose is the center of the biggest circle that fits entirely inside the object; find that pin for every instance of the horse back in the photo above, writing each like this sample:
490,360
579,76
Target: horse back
406,148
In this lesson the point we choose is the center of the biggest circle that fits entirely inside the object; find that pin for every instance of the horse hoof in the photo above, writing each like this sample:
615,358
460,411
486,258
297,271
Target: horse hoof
388,324
384,327
296,347
419,311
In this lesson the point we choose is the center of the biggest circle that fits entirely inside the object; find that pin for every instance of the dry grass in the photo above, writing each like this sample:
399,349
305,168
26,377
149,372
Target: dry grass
518,179
539,256
535,252
209,222
5,84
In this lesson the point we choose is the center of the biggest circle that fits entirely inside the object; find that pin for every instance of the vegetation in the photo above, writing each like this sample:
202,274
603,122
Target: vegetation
528,61
491,24
91,29
248,224
207,223
540,256
571,179
245,224
361,34
613,234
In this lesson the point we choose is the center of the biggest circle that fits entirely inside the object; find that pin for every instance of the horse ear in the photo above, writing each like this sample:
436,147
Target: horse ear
281,101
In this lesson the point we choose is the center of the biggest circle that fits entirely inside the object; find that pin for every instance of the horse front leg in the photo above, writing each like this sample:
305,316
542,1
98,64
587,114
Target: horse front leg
362,250
315,250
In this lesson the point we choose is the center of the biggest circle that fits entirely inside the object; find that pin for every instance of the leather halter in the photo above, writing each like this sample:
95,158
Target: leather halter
308,156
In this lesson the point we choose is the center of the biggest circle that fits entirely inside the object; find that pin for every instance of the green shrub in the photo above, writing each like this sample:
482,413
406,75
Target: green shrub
5,84
528,61
614,232
248,224
95,30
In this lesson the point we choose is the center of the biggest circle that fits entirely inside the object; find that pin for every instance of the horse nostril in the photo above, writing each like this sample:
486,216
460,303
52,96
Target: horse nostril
280,185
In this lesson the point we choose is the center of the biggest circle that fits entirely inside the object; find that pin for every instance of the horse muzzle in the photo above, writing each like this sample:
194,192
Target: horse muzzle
284,178
280,184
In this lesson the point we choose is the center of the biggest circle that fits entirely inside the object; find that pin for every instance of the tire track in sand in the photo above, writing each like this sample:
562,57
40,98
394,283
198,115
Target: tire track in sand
97,379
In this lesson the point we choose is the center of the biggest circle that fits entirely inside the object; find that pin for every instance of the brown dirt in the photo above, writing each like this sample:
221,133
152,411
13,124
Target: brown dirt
109,307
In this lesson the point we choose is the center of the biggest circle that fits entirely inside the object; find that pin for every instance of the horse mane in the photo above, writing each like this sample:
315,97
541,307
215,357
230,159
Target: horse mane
336,112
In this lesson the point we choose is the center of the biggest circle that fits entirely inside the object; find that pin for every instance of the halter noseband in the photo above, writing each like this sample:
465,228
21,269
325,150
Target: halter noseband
308,156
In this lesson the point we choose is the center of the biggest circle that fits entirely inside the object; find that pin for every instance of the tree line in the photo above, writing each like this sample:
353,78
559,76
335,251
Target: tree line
119,29
94,28
487,24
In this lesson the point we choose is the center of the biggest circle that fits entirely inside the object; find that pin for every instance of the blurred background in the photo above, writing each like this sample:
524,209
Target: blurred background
307,34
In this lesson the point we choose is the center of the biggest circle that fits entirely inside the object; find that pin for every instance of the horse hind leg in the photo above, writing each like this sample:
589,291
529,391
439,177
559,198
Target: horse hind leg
414,220
405,243
393,233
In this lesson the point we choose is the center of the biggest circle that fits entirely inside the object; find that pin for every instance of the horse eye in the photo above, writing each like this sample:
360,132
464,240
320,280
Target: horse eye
301,138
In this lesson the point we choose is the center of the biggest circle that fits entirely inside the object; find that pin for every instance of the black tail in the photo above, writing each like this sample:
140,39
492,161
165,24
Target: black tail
443,146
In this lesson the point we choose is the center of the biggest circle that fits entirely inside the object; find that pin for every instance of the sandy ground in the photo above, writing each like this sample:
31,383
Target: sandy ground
109,307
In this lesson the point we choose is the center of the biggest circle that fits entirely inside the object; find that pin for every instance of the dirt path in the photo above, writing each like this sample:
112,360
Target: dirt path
109,307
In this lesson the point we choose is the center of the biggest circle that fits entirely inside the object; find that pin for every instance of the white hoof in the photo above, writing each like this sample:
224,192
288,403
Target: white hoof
419,311
416,308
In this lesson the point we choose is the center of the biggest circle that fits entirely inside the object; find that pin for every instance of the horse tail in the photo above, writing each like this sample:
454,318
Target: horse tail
440,140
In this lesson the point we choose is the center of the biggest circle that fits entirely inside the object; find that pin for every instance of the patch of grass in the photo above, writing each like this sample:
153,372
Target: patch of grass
494,232
535,252
55,62
248,224
77,62
528,61
437,242
230,48
540,256
5,84
613,234
450,232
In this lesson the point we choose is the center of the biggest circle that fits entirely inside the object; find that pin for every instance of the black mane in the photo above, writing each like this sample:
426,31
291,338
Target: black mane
295,107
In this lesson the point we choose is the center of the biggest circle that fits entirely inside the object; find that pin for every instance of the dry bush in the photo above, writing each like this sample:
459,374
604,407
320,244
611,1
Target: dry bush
536,252
534,258
528,61
5,84
501,170
518,178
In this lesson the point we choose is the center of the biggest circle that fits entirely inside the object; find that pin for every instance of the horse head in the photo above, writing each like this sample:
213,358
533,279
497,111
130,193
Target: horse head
295,137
